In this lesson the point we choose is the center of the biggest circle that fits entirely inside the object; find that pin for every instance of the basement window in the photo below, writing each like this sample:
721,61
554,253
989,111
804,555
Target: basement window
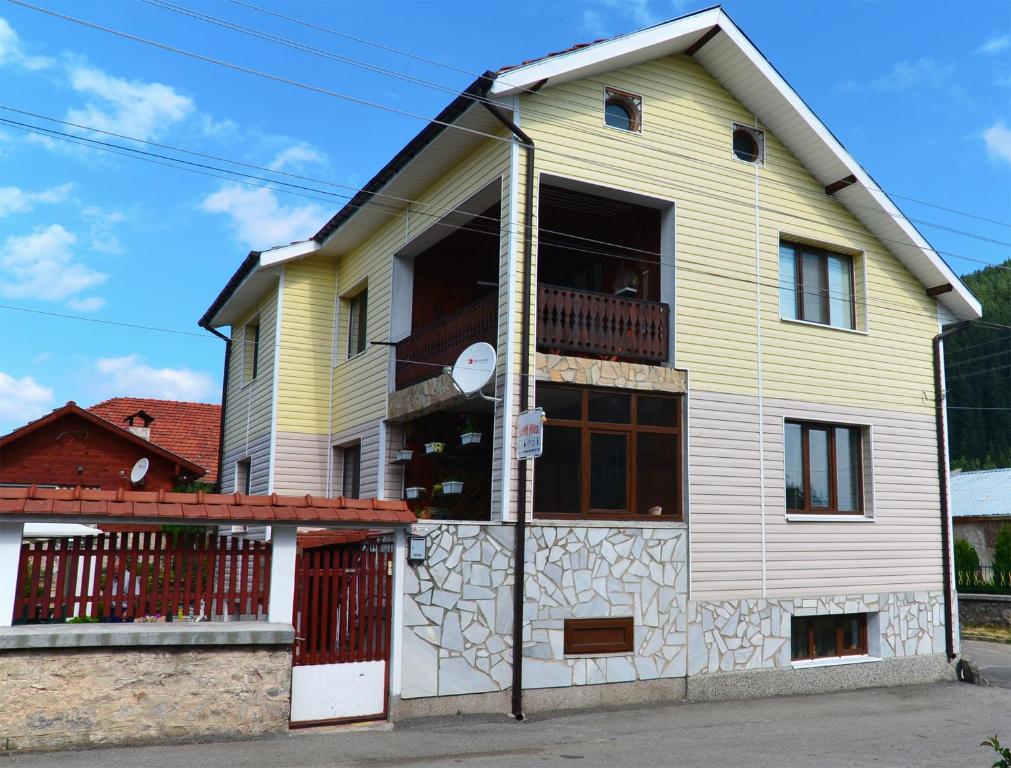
749,144
827,637
622,110
597,636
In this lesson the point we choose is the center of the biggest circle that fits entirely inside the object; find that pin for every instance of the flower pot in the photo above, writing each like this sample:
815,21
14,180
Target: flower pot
655,511
414,492
470,438
452,487
404,455
435,447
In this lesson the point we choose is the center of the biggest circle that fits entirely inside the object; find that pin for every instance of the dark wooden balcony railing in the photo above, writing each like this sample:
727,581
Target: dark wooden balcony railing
440,343
589,323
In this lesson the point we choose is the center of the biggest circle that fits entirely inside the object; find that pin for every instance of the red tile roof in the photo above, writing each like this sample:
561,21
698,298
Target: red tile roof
190,430
210,508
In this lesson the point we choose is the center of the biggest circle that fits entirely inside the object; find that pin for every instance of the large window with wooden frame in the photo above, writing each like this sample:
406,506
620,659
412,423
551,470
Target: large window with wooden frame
816,286
820,637
608,454
357,318
823,468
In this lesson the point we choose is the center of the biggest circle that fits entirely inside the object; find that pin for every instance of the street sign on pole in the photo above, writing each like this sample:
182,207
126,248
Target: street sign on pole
530,434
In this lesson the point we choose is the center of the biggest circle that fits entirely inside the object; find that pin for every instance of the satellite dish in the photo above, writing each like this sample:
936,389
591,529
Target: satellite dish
139,471
474,367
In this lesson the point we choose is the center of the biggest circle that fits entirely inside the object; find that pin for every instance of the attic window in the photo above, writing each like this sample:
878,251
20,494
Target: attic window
622,110
749,144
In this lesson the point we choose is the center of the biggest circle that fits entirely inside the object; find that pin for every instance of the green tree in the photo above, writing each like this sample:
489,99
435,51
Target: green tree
1002,556
966,557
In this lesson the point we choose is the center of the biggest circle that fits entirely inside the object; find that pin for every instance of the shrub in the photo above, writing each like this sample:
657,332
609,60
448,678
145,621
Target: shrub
1002,553
966,559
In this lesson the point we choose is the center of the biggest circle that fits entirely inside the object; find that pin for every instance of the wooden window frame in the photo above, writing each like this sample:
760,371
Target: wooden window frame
358,342
631,430
356,484
630,102
579,646
833,506
798,283
839,620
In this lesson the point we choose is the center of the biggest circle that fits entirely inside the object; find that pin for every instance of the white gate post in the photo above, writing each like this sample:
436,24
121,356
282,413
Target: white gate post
10,561
282,573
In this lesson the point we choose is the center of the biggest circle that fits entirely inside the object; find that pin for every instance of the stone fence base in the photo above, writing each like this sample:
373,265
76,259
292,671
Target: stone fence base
984,610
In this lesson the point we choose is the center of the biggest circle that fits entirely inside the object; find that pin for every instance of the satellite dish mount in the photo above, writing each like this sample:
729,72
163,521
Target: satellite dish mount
473,370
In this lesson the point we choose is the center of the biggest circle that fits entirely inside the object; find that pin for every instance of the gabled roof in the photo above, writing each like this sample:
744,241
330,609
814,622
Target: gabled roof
210,508
986,493
718,44
191,430
72,408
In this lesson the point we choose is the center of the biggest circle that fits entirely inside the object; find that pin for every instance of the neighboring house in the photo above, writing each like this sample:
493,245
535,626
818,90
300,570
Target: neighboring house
191,430
980,507
74,447
730,331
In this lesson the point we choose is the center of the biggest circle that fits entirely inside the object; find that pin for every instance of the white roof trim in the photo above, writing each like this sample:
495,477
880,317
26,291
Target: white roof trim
286,253
887,223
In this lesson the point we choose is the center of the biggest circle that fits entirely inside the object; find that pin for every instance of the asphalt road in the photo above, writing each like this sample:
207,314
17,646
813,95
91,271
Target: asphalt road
934,725
993,660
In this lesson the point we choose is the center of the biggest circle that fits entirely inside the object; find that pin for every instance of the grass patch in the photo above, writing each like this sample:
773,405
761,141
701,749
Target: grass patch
987,633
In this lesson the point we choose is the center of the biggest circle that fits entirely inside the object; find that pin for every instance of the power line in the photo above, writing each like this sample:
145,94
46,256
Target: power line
296,45
105,322
533,91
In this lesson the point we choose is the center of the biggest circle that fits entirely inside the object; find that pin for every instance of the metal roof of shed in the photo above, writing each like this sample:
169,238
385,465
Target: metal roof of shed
986,493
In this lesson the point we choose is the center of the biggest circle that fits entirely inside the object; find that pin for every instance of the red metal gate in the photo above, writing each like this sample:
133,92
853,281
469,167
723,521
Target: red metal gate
343,614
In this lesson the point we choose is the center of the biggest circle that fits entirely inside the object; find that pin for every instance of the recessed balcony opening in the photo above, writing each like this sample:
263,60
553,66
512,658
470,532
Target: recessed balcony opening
446,289
599,281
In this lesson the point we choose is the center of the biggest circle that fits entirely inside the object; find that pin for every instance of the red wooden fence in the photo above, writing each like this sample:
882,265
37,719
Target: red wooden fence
601,324
343,604
130,575
422,354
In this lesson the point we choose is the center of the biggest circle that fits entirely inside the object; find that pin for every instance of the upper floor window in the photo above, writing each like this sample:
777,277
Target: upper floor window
608,454
749,144
622,110
816,285
357,318
250,350
823,468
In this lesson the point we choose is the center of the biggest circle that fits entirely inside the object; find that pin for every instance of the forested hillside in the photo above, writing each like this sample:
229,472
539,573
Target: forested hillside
978,371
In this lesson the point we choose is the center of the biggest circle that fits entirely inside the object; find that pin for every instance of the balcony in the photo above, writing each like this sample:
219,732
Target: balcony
587,323
423,354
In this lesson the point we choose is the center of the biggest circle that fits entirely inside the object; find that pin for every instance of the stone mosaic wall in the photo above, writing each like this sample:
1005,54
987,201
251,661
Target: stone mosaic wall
60,699
458,606
733,635
570,369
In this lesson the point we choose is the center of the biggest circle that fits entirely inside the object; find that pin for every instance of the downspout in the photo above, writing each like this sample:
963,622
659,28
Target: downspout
942,477
519,566
224,394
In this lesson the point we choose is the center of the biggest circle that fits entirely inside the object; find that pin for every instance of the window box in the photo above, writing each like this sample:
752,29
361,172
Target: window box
452,487
414,492
403,456
436,447
470,438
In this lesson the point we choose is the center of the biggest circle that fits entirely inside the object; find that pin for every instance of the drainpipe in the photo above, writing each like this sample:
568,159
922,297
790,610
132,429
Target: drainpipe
224,394
519,565
942,477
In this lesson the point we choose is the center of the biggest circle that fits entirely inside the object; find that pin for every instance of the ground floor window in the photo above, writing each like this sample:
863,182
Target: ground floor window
823,468
819,637
352,471
608,454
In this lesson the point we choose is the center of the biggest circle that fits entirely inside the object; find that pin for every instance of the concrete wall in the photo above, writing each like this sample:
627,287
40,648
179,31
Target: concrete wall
73,698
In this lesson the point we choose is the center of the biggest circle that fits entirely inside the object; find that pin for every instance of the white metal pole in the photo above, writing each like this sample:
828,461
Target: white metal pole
282,573
10,560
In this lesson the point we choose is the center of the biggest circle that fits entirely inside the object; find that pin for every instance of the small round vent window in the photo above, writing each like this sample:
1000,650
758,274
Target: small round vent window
617,114
746,146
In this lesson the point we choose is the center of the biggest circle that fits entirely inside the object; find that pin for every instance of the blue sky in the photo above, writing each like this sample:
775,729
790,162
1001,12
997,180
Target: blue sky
919,92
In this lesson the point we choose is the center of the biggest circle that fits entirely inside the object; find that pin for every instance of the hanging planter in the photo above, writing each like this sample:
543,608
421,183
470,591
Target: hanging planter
414,492
435,447
452,487
403,456
470,438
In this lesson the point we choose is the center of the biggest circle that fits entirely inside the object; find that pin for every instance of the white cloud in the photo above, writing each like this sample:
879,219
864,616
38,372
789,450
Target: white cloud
298,155
134,108
87,304
995,44
22,400
12,51
640,13
906,75
100,228
131,375
998,141
16,200
43,265
259,220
